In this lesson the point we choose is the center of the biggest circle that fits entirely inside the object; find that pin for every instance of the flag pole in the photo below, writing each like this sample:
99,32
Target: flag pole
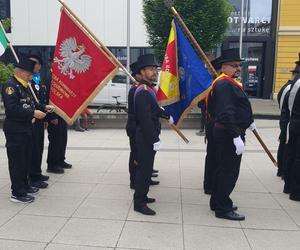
97,40
264,147
169,4
9,44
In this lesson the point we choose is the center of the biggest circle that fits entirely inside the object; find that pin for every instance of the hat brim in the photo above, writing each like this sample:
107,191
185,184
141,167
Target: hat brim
231,60
146,65
21,67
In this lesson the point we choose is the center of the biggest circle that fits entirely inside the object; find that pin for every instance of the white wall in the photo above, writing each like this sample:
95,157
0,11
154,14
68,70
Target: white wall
35,22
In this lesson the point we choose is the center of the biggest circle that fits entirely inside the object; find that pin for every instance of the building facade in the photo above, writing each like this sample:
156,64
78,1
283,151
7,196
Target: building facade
288,41
35,25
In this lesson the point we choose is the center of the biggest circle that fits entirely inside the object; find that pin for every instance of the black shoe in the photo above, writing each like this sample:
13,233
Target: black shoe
80,129
295,197
32,190
22,199
286,190
131,185
152,183
207,191
279,173
39,184
231,216
234,208
150,200
56,170
145,210
155,171
66,165
154,175
44,177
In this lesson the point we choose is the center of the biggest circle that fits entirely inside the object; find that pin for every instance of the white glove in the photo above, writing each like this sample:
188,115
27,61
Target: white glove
156,146
252,126
171,120
239,145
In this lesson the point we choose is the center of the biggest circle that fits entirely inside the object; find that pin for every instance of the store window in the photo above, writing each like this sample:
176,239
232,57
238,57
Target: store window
256,20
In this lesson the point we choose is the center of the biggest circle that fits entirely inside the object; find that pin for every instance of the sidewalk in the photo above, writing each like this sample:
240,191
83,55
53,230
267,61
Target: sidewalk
90,206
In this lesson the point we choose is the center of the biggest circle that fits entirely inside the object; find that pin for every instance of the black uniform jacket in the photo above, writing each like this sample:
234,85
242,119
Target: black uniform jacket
284,112
19,107
147,113
131,121
229,106
295,115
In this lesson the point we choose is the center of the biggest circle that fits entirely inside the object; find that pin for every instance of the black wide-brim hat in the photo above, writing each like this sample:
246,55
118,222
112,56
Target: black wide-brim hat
25,63
145,61
230,55
133,68
37,57
216,63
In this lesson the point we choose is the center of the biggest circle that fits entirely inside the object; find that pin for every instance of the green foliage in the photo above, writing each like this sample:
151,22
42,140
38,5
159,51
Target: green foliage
206,19
6,23
6,71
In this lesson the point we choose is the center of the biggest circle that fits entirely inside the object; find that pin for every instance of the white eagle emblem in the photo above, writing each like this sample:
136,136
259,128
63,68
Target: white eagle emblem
72,58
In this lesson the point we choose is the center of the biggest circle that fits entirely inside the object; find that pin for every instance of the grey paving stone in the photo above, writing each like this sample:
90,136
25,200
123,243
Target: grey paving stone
199,237
258,218
144,235
275,240
21,245
103,209
90,232
53,206
32,228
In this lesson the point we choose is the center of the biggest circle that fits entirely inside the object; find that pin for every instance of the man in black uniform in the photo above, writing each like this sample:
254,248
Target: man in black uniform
147,113
37,179
131,125
210,158
232,114
293,138
282,99
58,137
21,112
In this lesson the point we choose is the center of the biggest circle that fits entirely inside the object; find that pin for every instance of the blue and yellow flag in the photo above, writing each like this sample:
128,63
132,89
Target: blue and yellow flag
184,79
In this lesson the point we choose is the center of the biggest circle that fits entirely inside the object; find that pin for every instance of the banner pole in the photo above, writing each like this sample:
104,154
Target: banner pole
108,52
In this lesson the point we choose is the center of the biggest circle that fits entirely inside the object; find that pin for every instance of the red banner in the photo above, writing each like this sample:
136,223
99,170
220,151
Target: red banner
80,69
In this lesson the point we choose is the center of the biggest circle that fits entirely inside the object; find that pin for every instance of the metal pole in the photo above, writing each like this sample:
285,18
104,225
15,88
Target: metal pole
128,47
241,31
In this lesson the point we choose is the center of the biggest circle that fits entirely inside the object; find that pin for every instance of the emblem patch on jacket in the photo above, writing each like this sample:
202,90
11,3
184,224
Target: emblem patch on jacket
9,90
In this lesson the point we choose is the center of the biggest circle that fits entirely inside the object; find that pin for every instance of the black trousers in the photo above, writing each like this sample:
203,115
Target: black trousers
281,152
57,136
19,152
145,158
35,169
227,172
132,160
210,159
292,176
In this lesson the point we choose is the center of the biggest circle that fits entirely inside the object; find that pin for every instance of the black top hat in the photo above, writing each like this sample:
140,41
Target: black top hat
37,58
230,55
216,63
146,60
134,69
25,63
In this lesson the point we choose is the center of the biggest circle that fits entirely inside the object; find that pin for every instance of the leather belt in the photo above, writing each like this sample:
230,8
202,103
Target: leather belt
220,125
